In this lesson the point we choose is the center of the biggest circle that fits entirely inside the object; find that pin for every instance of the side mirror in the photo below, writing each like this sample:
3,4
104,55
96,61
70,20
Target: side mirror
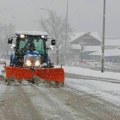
10,41
53,42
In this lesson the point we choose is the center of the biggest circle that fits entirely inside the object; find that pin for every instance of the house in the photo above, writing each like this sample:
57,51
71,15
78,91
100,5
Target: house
88,39
112,51
82,44
111,55
87,46
112,43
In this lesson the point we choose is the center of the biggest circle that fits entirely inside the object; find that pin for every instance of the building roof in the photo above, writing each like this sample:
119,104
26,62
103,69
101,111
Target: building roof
108,41
112,42
74,37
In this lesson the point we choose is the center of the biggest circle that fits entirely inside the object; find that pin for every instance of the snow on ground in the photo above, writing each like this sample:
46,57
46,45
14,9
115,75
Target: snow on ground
1,68
107,91
88,72
2,65
103,89
70,102
2,88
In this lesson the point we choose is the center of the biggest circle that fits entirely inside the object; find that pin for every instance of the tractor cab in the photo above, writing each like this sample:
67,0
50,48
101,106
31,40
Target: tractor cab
30,50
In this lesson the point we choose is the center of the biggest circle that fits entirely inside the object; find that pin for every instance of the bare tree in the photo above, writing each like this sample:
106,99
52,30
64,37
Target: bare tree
5,32
56,28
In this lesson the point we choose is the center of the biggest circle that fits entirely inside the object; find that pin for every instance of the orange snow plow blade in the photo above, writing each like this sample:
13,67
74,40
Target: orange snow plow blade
47,74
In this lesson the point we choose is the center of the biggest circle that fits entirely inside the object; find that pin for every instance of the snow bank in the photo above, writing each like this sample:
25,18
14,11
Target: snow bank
108,91
1,68
88,72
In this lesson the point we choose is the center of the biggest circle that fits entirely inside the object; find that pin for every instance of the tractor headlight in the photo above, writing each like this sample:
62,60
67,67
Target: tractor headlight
42,36
28,63
37,63
22,36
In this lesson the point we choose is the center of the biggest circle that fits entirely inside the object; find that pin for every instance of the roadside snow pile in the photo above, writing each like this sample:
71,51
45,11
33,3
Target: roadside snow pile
93,73
2,64
1,68
106,90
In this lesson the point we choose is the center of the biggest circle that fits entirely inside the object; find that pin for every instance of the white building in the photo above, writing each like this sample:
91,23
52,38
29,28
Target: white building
87,46
82,44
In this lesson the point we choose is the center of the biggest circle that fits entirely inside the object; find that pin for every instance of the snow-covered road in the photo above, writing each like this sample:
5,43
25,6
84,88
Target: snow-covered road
105,90
85,96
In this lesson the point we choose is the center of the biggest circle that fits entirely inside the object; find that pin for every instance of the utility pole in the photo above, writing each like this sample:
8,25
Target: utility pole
66,34
103,36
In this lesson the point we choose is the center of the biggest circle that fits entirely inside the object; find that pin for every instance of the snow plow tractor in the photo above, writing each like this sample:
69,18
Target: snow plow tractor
30,60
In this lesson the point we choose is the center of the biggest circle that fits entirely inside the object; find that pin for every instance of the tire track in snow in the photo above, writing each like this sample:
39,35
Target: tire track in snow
90,108
70,75
97,107
51,107
7,106
99,91
16,105
28,105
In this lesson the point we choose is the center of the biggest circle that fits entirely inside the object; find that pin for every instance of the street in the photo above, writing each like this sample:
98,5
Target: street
79,99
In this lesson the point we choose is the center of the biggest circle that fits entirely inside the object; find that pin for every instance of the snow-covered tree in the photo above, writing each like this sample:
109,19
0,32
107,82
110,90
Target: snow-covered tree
55,26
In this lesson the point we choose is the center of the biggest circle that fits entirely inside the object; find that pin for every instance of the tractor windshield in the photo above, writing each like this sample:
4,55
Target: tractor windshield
32,43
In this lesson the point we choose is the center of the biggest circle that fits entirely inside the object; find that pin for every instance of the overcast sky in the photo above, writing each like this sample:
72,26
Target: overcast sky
84,15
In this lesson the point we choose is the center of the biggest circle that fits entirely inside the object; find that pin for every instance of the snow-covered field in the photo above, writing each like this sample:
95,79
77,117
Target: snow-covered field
87,95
